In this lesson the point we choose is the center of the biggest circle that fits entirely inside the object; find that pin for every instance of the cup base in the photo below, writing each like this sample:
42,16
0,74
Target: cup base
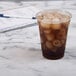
53,58
54,55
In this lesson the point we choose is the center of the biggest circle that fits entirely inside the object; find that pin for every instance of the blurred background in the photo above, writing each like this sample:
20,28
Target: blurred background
57,4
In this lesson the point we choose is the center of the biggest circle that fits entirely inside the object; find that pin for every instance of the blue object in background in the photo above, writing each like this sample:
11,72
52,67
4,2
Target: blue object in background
2,16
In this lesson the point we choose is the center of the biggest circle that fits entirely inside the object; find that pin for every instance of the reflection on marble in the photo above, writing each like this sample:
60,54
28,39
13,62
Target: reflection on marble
20,54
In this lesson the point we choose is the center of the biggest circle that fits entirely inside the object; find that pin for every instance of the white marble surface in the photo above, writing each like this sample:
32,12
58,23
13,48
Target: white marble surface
20,54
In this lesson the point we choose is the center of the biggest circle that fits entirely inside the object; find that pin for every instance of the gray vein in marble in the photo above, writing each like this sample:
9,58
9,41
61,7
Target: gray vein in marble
17,28
34,49
70,55
3,57
12,67
34,69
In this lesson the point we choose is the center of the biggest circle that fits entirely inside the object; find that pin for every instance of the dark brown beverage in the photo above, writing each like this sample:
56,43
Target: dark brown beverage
53,26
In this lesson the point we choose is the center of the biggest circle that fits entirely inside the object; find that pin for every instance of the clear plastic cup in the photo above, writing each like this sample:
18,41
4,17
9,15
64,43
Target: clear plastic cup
53,27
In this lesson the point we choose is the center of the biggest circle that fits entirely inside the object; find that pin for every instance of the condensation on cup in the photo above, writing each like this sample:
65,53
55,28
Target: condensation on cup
53,27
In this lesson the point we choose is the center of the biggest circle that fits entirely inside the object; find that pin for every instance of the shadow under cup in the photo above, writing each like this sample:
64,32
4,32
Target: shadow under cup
53,27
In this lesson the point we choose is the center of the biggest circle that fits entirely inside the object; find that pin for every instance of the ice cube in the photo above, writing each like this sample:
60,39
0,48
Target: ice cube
46,23
56,26
65,18
49,45
40,17
62,34
55,20
49,16
47,31
49,37
57,43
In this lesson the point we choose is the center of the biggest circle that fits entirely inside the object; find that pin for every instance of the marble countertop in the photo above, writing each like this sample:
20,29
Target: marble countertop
21,55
